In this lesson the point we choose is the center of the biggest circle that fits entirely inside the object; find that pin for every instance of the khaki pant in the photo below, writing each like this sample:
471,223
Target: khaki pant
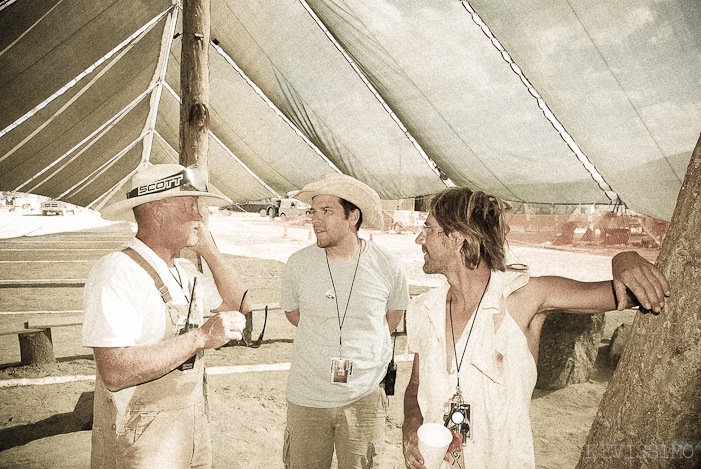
356,431
168,439
177,438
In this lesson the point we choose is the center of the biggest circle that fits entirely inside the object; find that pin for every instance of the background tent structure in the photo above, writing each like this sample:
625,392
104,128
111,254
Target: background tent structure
551,101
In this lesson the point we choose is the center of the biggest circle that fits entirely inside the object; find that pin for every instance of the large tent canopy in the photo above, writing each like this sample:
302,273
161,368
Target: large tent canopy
549,101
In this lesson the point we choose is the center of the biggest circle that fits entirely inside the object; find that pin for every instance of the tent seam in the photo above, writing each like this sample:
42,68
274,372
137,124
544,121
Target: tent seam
642,121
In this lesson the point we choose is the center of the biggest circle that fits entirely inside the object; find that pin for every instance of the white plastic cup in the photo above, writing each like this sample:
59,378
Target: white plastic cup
434,440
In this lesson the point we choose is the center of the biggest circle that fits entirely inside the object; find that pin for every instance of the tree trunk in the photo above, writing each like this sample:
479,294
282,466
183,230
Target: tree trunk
650,414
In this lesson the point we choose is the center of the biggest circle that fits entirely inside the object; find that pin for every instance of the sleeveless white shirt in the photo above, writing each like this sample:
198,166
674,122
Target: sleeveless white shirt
497,375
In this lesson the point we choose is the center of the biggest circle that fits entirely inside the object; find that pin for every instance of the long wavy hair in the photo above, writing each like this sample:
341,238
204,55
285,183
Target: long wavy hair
479,218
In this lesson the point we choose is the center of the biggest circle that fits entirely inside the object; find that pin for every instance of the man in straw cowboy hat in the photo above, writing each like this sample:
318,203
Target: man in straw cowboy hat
345,295
144,321
476,339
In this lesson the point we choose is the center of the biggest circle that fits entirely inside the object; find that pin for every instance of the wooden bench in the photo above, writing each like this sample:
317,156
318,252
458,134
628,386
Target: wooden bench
42,283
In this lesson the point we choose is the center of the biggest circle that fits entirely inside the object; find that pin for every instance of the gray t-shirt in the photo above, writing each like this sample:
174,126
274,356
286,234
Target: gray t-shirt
380,286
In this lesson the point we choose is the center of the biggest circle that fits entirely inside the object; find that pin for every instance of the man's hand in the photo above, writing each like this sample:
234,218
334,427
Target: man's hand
205,241
221,328
412,455
645,281
412,420
231,287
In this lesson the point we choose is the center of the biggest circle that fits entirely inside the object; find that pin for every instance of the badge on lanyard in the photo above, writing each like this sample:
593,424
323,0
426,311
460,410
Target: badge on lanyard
341,370
458,417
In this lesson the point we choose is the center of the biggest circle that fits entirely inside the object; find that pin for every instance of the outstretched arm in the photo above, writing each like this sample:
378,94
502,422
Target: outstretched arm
635,282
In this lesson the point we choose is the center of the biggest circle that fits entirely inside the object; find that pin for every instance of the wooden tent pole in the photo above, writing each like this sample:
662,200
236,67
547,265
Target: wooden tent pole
194,84
194,88
194,95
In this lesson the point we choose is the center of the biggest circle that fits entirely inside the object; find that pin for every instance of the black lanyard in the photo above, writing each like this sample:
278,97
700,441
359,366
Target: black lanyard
338,310
474,319
179,280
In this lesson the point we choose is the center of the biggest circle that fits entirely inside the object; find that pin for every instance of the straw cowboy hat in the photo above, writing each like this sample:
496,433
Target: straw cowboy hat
350,189
161,181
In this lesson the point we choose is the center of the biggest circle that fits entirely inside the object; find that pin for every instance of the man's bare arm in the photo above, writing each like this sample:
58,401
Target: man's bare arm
635,282
394,317
121,367
564,294
293,316
412,420
228,281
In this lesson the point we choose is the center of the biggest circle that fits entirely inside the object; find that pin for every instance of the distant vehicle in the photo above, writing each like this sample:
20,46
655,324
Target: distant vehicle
284,208
50,207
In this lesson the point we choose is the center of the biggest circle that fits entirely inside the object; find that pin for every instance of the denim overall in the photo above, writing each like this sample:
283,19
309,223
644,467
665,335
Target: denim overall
165,424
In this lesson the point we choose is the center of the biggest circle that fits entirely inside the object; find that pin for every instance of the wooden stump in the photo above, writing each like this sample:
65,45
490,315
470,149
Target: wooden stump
36,347
569,344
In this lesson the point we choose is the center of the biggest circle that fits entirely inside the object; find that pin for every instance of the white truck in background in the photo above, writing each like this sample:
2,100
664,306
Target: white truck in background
56,207
284,208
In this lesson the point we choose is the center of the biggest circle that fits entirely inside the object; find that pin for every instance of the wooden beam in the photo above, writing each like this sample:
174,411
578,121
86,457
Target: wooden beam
43,283
194,84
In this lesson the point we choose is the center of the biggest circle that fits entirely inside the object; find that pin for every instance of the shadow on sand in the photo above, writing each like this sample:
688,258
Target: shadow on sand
78,420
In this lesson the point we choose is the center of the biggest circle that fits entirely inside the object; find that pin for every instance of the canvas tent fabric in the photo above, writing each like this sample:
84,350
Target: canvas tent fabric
406,95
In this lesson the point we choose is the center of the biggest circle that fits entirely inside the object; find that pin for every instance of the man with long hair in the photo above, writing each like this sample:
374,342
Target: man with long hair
475,340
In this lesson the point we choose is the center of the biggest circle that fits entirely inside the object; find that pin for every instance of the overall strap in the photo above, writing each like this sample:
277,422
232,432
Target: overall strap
139,259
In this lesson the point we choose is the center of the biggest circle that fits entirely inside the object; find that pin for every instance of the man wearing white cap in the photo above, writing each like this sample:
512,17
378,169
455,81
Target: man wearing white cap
144,320
345,295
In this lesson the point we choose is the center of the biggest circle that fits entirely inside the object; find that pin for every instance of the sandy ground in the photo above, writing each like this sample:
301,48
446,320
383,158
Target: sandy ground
37,425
